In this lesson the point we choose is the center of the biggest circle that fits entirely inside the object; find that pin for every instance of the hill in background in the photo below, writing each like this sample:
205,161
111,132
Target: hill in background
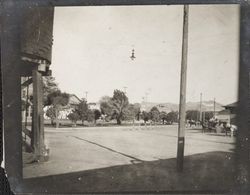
168,107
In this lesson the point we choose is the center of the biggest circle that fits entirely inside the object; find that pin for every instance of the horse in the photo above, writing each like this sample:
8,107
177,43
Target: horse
191,123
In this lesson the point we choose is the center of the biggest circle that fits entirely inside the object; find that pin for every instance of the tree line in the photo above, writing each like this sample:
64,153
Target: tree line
115,107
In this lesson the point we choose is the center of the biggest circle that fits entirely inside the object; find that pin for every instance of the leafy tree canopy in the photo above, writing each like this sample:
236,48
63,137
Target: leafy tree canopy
90,115
155,114
74,117
132,112
97,114
58,99
163,116
106,106
82,110
145,116
51,113
209,115
49,86
192,115
115,106
172,116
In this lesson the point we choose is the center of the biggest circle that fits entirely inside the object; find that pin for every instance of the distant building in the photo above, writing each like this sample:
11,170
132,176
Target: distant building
73,101
223,116
66,110
28,90
94,106
232,107
228,114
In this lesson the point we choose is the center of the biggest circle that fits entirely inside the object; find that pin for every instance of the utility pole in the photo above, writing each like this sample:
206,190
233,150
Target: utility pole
200,107
182,105
146,97
214,108
125,88
86,95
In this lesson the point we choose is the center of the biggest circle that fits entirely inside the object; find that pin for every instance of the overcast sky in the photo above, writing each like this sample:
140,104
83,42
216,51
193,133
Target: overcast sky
92,49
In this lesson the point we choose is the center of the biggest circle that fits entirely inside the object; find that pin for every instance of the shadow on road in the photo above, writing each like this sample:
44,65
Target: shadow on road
110,149
219,134
212,171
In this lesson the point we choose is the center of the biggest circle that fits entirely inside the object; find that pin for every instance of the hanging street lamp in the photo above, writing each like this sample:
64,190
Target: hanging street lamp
133,55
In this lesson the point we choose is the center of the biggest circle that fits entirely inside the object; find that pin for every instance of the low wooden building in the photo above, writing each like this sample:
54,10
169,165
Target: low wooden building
66,110
228,114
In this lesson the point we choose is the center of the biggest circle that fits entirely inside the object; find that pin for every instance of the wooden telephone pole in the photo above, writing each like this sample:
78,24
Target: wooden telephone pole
86,95
182,105
214,106
201,107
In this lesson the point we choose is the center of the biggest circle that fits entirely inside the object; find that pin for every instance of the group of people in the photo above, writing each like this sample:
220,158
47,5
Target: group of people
191,123
214,124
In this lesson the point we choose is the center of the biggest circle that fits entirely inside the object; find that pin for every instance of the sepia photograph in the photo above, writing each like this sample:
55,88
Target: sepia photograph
121,99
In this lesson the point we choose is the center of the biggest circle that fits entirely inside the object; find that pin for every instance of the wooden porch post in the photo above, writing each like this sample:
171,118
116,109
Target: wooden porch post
37,120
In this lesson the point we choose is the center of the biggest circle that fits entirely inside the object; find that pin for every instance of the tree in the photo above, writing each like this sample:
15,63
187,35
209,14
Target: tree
163,116
137,110
82,110
49,86
97,115
90,116
74,117
192,115
119,103
209,115
145,116
57,99
115,107
172,117
106,107
51,113
132,112
155,114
